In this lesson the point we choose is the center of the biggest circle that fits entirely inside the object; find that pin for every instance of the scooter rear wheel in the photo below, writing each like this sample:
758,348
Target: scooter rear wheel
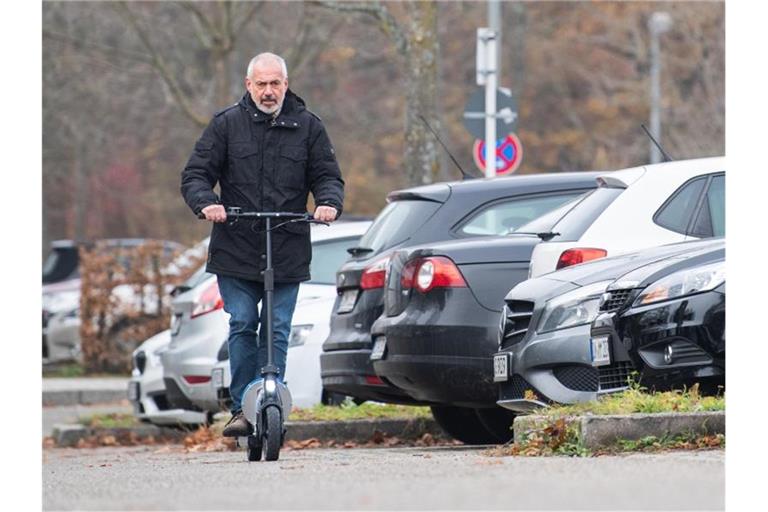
254,449
273,437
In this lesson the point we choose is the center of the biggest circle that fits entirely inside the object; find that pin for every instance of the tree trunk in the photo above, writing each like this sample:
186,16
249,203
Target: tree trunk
422,164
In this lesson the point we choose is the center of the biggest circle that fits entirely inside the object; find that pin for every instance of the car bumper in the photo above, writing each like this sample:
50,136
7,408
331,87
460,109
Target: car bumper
691,328
556,367
152,404
350,372
442,356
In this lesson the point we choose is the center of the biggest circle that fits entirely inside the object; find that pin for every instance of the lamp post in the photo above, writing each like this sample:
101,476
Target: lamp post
658,23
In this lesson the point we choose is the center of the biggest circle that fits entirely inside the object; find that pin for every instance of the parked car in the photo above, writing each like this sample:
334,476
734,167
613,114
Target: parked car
640,207
420,215
309,329
440,326
61,291
546,354
199,324
668,321
146,390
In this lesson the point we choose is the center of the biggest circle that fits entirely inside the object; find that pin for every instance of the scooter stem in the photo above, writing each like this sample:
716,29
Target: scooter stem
269,288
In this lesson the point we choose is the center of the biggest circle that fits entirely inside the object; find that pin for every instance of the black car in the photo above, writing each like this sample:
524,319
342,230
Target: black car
546,354
671,326
444,211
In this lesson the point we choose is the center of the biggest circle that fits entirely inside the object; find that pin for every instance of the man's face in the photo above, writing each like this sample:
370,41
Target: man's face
267,85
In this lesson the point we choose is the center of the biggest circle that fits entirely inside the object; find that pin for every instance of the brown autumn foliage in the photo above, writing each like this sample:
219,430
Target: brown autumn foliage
115,138
123,301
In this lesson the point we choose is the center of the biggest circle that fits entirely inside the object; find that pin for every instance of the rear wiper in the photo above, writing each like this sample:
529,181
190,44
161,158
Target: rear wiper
356,251
546,236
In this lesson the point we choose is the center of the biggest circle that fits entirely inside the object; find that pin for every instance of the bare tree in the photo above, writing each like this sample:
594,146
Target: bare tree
415,39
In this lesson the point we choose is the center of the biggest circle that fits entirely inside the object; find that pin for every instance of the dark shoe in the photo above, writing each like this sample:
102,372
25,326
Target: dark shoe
237,426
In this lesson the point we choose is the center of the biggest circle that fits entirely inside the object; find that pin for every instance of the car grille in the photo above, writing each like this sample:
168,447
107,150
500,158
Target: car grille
587,378
615,375
615,300
140,361
518,318
577,377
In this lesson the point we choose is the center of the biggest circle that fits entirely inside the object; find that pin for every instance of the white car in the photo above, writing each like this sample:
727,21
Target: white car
146,390
309,329
200,325
634,209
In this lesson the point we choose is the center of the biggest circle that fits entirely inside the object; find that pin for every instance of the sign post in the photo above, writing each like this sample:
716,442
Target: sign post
486,75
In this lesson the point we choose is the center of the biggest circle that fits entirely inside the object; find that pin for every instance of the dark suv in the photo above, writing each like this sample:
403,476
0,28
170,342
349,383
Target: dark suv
443,211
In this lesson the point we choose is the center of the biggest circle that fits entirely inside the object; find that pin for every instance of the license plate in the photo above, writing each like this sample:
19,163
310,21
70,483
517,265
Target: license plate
133,391
175,324
347,302
217,378
500,367
378,348
599,350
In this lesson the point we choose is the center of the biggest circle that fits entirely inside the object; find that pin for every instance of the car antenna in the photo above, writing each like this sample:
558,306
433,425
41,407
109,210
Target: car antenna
667,158
464,174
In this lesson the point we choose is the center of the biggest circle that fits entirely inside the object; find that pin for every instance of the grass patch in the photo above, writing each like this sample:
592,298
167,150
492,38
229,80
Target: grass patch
637,400
687,441
350,411
64,370
111,420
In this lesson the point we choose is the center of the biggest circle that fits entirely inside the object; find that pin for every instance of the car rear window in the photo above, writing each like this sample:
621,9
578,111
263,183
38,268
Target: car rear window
396,223
509,214
677,211
327,257
572,219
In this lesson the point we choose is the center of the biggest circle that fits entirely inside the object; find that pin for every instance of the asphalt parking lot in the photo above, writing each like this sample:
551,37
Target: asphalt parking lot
166,478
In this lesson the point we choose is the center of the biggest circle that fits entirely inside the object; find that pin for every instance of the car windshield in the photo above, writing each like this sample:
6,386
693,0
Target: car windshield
571,220
396,223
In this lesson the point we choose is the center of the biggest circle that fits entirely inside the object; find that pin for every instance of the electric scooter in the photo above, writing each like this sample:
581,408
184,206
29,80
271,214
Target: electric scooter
267,401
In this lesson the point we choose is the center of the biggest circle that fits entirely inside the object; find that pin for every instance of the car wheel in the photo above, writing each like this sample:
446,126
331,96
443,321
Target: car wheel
498,422
332,398
463,424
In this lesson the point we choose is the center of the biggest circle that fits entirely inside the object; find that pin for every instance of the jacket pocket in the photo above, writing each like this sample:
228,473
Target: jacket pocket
291,169
244,163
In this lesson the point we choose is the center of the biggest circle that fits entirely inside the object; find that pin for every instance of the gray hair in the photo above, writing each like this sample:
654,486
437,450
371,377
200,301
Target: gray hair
264,56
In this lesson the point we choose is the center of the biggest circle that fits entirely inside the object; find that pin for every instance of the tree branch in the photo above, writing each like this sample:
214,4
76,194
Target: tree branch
203,25
162,68
387,23
246,19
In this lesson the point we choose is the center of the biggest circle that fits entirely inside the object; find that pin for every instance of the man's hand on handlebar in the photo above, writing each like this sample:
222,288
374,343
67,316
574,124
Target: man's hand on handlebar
215,213
325,213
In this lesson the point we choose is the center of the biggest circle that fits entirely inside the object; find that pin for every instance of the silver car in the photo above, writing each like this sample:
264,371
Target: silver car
200,326
146,389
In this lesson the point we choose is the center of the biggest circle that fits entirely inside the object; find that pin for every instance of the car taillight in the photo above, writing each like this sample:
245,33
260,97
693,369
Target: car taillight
408,274
197,379
438,272
373,380
579,255
210,300
374,274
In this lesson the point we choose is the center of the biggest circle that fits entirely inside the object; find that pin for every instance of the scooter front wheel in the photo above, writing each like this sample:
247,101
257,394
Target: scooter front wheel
273,436
254,449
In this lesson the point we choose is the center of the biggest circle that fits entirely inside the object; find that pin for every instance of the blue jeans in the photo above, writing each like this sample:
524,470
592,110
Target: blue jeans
247,350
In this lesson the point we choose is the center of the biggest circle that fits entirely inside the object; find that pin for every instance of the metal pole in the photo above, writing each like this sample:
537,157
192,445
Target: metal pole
490,105
494,23
658,23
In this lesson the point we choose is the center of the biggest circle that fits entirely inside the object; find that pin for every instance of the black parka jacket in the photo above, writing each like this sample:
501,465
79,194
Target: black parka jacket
262,164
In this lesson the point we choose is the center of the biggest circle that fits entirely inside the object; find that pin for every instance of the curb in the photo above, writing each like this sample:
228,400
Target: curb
71,435
359,431
83,397
605,431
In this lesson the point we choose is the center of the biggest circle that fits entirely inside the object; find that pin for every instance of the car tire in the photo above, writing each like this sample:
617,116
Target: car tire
463,424
498,422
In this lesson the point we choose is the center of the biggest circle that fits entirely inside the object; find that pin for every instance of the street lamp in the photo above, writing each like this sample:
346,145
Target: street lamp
658,23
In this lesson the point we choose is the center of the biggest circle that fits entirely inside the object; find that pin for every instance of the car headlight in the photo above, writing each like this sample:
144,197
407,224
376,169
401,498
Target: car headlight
577,307
299,335
686,282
